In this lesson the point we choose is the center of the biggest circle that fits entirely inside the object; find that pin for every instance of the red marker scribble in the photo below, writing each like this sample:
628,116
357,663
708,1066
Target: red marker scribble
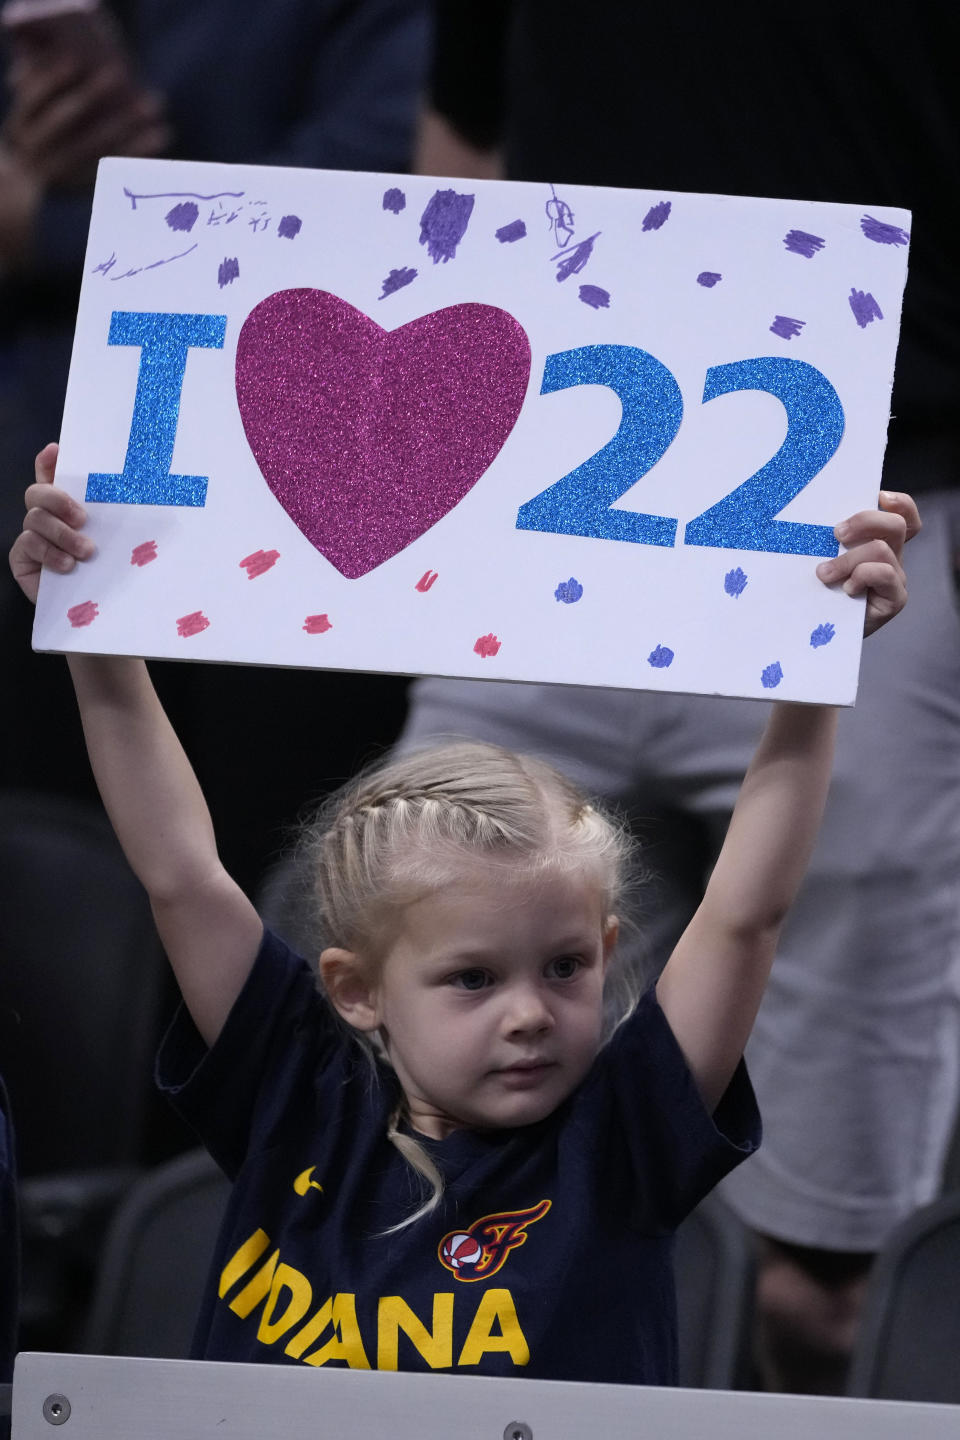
425,581
189,625
259,562
486,645
84,614
143,554
317,624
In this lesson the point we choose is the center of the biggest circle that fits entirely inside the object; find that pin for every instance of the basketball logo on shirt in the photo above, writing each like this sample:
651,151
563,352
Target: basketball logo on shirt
482,1248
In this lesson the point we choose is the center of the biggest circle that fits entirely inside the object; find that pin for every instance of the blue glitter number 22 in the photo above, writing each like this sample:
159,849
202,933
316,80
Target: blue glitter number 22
580,503
744,519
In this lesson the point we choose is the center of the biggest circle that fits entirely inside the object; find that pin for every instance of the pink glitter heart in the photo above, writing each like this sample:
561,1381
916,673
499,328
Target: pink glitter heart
368,437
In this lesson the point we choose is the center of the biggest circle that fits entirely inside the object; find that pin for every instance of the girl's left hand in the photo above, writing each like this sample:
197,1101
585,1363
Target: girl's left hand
873,561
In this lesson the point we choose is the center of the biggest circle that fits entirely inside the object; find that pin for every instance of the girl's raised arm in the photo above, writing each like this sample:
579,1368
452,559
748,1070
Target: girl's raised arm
209,929
712,985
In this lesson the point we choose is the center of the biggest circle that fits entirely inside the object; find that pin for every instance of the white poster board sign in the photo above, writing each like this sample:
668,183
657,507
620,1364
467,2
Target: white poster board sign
517,431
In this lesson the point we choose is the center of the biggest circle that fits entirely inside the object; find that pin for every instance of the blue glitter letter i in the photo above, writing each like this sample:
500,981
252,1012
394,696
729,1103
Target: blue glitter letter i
164,340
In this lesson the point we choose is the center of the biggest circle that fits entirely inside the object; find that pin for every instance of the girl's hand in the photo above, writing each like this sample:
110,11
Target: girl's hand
873,561
50,538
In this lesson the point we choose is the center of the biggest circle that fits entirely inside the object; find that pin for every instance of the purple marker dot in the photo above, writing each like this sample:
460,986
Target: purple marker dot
444,222
396,281
183,216
516,230
708,278
771,676
228,272
822,635
595,297
798,242
735,582
785,327
394,200
883,233
568,591
289,227
657,215
660,658
864,308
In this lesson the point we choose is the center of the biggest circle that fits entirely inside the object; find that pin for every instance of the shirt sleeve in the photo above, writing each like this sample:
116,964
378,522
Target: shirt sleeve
278,1042
667,1146
467,77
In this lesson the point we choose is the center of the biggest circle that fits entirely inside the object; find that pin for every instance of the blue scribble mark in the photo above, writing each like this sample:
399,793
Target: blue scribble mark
183,216
708,278
396,281
657,215
864,308
561,220
289,227
772,676
444,223
785,327
798,242
822,635
660,658
394,200
735,582
568,591
883,233
228,272
516,230
573,261
594,296
181,195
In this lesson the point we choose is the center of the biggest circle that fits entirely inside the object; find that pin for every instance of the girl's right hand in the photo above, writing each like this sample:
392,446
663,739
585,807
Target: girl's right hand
50,538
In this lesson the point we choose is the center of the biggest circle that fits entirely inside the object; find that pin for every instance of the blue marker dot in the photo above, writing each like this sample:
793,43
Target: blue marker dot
569,591
660,658
735,582
822,635
772,676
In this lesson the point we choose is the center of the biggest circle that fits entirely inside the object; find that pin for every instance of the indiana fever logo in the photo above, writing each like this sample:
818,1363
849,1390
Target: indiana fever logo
482,1250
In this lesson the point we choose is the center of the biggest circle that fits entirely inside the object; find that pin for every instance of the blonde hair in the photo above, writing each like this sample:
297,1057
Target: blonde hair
402,828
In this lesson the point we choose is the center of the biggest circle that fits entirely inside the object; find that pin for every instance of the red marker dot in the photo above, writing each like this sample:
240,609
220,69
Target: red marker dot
425,581
84,614
317,624
143,554
189,625
259,562
487,645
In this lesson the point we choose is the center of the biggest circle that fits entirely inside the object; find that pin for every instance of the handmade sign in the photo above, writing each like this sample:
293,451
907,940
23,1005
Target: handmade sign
518,431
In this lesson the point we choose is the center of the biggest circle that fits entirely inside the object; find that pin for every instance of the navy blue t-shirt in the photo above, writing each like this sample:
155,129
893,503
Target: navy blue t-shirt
549,1255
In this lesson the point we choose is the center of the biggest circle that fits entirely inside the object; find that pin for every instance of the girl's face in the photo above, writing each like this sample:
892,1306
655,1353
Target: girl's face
489,998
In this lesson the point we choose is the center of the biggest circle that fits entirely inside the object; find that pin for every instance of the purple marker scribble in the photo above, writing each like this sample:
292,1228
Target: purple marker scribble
396,281
822,635
139,269
394,201
657,215
444,223
708,278
181,195
183,216
660,658
785,327
798,242
735,582
105,266
228,272
864,308
289,227
516,230
573,261
771,676
568,591
593,295
561,220
883,233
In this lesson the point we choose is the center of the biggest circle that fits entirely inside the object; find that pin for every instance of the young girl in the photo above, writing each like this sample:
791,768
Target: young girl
490,1187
